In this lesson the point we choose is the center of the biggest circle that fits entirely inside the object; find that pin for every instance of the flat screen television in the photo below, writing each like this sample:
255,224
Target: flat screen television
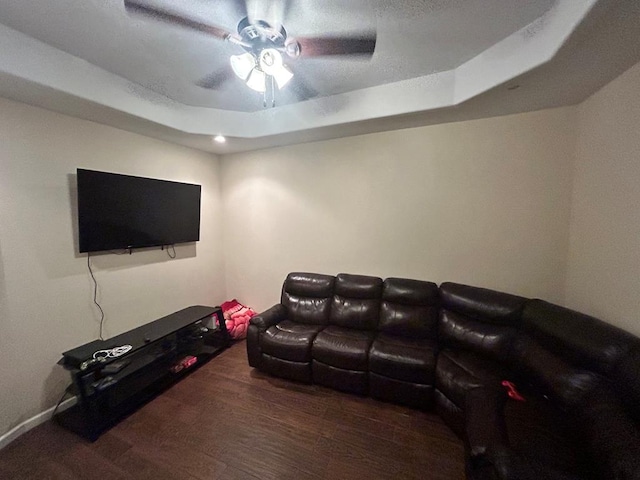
123,212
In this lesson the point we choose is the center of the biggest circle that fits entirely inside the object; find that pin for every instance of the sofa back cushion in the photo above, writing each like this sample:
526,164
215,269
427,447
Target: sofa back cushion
479,320
356,301
409,308
460,331
625,380
586,344
550,374
307,297
488,306
580,339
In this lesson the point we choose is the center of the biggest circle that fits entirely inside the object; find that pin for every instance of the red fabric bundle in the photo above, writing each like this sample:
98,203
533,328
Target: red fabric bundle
236,318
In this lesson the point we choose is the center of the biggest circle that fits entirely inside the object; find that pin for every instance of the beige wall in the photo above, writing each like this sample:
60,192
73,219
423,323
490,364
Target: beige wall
45,289
495,202
604,258
483,202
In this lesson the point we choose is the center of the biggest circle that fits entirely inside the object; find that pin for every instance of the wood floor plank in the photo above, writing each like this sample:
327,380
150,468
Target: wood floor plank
227,421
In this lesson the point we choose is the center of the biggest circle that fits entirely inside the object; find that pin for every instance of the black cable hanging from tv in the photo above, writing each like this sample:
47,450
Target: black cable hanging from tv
95,293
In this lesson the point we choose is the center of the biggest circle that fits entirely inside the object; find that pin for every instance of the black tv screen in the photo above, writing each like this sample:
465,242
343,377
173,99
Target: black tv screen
122,212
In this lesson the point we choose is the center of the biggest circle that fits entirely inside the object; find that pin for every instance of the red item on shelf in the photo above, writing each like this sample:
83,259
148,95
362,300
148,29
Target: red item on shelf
186,362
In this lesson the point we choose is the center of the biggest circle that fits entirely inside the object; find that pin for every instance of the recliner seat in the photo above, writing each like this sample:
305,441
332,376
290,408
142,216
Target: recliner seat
402,357
283,336
341,351
476,330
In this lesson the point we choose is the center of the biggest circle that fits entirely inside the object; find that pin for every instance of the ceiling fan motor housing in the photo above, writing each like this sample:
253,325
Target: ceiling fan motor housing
260,35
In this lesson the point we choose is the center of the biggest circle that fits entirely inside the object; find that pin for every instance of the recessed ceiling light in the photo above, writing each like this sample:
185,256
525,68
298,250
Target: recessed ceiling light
219,139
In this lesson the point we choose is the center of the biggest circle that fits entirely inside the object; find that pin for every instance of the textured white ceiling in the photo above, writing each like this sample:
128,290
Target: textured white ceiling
436,61
415,38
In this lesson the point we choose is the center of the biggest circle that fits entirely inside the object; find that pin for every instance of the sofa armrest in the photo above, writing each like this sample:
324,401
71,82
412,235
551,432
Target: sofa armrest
269,317
499,462
484,419
257,326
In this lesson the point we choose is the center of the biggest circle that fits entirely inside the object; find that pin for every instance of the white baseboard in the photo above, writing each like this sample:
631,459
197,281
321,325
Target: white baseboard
34,421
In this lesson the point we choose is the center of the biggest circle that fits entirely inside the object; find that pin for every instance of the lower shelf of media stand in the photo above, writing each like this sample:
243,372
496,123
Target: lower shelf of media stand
163,352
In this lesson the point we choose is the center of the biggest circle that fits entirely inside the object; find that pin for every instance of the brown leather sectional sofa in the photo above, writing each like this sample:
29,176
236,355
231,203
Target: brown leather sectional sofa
451,348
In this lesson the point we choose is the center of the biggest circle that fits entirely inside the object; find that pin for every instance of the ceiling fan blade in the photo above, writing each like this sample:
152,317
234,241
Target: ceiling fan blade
302,90
277,13
299,85
325,46
138,8
216,79
240,9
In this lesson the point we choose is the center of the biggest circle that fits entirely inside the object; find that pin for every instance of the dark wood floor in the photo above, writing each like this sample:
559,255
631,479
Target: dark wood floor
227,421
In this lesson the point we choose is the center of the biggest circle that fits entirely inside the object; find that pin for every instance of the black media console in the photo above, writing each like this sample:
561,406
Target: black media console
161,353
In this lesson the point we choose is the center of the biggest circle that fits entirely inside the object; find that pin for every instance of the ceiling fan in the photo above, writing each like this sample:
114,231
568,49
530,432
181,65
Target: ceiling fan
269,51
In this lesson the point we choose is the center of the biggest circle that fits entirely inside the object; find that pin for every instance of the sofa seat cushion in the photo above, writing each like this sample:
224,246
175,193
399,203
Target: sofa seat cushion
289,340
409,360
503,463
610,435
297,371
343,379
458,371
540,431
343,348
417,395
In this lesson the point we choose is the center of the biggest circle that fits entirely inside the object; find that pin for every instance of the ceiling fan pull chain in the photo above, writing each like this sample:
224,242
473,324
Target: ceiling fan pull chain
273,92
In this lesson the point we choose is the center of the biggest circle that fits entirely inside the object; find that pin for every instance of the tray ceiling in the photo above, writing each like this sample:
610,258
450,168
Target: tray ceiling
90,59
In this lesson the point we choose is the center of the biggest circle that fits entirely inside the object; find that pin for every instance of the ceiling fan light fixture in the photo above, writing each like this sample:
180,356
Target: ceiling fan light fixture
257,80
270,62
242,65
282,76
